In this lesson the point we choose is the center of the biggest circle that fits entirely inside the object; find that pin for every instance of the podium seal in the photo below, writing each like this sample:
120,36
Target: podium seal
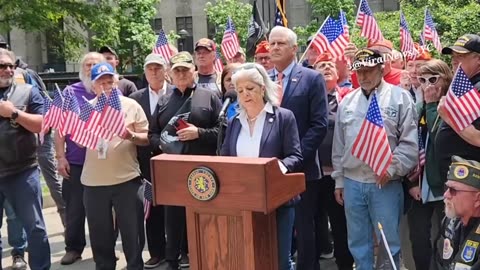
203,184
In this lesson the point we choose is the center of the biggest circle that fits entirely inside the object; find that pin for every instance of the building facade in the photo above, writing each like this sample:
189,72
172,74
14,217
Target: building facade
172,15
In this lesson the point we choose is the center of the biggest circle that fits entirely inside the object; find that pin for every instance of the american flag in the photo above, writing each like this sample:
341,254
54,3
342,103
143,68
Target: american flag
113,118
430,32
81,135
462,102
56,110
230,45
346,28
162,47
371,145
421,41
330,38
368,23
72,112
421,149
47,104
93,124
406,40
147,199
218,65
280,17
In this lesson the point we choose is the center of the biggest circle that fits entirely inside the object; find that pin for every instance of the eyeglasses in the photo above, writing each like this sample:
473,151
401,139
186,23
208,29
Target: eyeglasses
453,191
430,79
261,59
5,66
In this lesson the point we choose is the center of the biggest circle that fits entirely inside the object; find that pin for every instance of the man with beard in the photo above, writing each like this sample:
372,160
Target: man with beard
457,246
70,165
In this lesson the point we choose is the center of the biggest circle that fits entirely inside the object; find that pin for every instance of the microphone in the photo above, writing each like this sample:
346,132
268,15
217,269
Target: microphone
230,96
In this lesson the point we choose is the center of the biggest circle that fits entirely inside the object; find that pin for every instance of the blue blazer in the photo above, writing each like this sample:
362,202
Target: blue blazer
279,139
306,96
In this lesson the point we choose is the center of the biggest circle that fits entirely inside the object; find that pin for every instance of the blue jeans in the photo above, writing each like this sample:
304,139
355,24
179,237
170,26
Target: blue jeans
285,220
365,206
24,193
17,237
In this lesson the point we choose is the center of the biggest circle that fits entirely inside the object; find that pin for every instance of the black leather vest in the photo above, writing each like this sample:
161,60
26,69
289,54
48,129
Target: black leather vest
18,146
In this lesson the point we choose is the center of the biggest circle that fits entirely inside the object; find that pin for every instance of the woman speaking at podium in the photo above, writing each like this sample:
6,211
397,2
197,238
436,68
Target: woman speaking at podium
262,129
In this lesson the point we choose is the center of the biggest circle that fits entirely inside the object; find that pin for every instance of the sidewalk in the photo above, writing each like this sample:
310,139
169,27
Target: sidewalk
55,236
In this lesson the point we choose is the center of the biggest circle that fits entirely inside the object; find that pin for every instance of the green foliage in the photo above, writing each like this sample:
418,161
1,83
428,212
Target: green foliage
453,19
122,24
240,13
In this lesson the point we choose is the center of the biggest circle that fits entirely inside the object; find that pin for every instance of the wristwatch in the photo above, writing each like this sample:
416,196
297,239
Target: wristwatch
14,115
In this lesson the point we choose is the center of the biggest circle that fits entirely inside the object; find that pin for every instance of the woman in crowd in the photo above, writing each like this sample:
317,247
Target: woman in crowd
425,184
227,86
264,130
111,176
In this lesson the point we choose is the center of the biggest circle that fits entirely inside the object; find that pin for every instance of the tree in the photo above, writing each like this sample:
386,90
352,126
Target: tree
240,13
123,24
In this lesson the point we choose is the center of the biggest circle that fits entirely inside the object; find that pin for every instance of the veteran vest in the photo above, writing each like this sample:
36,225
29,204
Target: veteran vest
17,145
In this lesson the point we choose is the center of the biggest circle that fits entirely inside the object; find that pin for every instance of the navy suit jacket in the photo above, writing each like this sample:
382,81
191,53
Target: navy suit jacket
306,96
279,139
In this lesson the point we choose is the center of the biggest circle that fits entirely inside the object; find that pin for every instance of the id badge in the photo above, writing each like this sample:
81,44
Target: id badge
102,148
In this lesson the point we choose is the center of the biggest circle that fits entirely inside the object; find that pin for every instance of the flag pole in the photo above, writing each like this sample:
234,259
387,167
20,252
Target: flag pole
384,239
309,45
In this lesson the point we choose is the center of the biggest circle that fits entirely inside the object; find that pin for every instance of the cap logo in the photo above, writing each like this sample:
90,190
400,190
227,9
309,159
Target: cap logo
460,172
461,41
102,68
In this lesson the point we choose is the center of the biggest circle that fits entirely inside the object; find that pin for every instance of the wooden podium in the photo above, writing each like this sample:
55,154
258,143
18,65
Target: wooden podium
236,230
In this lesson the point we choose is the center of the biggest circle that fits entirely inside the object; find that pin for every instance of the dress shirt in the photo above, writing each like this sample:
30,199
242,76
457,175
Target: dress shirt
249,146
286,75
154,96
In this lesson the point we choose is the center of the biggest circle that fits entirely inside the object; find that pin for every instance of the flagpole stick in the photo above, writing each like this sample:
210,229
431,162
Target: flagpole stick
309,45
384,239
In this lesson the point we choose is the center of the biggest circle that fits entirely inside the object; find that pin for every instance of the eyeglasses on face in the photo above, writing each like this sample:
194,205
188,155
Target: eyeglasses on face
428,79
5,66
454,191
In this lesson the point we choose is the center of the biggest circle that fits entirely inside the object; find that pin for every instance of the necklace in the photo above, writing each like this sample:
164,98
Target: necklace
251,120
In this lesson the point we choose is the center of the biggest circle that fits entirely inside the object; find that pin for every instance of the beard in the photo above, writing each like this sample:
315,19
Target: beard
87,81
450,211
6,82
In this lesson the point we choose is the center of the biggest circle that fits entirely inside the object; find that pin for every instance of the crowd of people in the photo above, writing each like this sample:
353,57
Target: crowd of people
306,114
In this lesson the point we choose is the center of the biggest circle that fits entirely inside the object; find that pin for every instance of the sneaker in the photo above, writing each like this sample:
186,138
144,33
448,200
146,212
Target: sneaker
18,263
184,261
153,262
326,256
70,257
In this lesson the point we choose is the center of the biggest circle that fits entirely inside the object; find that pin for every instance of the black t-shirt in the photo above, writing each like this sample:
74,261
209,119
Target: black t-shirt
449,143
209,82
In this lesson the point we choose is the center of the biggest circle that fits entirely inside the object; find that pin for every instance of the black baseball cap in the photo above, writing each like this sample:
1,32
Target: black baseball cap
464,44
367,58
108,49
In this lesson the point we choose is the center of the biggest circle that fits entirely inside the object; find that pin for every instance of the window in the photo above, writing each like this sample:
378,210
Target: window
211,29
157,25
185,43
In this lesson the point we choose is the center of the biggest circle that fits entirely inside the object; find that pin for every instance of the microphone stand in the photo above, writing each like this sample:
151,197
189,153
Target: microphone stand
222,125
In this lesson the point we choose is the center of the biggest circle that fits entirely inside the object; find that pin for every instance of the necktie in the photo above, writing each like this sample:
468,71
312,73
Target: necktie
280,87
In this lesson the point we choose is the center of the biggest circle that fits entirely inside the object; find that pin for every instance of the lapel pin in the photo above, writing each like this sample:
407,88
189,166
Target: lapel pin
270,120
294,80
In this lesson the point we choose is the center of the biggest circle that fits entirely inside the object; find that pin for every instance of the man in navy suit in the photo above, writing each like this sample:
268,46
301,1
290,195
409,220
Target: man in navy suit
155,67
303,92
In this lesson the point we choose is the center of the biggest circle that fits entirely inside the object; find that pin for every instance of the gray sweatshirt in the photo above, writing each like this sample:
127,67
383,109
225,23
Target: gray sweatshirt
400,121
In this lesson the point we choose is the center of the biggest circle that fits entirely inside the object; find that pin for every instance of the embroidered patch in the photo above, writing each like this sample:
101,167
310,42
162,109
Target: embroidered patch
469,250
461,266
447,249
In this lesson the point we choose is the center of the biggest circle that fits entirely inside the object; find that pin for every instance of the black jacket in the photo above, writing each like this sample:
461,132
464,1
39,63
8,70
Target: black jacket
204,113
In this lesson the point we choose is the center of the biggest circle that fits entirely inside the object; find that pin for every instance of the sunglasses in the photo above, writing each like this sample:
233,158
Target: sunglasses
246,67
5,66
430,79
453,191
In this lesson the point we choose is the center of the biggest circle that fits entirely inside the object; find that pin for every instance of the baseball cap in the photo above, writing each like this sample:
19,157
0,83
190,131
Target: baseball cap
464,44
464,171
367,58
263,47
182,59
205,43
101,69
154,58
107,49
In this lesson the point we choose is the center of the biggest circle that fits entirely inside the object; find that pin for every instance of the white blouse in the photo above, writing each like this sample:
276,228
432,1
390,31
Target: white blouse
249,146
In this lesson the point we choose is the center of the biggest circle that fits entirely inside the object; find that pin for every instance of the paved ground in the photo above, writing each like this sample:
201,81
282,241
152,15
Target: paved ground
55,236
